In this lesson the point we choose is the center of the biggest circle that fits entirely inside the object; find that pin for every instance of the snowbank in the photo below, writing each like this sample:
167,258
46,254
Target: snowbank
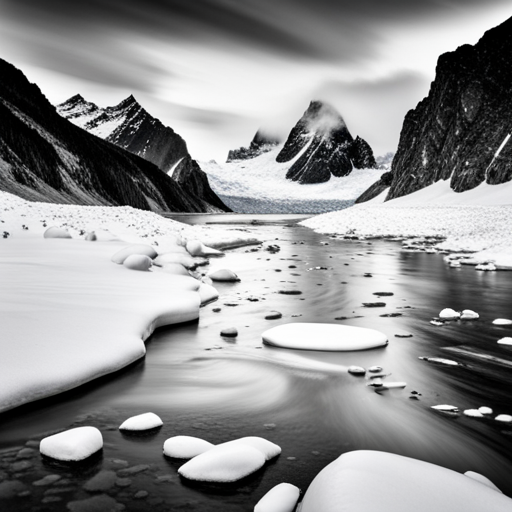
259,185
69,314
476,221
370,480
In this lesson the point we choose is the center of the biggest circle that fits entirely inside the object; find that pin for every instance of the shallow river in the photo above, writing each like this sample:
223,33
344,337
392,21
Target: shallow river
219,389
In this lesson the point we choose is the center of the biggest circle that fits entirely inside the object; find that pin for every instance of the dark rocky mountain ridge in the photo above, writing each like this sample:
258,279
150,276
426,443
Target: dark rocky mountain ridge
329,148
261,143
44,157
129,126
460,130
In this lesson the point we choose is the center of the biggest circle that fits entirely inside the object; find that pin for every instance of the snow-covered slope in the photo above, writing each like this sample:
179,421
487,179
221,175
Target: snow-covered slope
259,185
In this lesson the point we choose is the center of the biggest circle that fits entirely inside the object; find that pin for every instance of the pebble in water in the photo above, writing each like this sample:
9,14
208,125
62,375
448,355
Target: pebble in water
229,332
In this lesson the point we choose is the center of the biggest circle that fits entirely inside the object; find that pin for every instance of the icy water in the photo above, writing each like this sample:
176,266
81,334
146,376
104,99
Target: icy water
220,389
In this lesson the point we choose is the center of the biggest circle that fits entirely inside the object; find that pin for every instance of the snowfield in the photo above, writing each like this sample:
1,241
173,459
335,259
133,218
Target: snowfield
259,185
477,221
68,313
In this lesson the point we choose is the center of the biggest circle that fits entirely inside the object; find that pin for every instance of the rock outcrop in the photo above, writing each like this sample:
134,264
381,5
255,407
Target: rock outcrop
261,143
461,130
324,147
44,157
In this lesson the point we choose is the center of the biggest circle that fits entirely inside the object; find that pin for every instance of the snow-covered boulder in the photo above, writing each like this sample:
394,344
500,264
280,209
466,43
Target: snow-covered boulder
56,232
138,262
502,321
141,249
485,410
504,418
281,498
267,448
505,341
445,408
176,269
449,314
327,337
482,479
146,421
468,314
223,463
197,248
473,413
223,274
356,370
229,332
207,293
371,480
182,258
72,445
185,447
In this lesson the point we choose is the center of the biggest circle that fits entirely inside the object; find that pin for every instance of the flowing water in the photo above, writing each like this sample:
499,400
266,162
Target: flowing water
219,389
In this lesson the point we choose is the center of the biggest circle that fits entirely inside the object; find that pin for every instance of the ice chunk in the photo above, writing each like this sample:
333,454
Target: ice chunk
371,480
327,337
445,408
392,385
223,463
485,410
56,232
72,445
505,341
482,479
146,421
449,314
185,447
474,413
488,267
505,418
142,249
281,498
223,275
138,262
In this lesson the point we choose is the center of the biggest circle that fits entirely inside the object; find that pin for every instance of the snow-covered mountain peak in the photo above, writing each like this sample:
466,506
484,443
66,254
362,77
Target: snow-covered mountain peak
322,119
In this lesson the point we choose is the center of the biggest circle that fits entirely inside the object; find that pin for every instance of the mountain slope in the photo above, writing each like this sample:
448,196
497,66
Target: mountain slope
129,126
460,131
261,143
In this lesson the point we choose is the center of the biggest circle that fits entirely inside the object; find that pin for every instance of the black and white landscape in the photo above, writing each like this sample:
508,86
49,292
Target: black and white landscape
180,332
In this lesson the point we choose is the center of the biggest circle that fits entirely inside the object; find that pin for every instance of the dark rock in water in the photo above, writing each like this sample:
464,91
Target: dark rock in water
261,143
229,332
461,130
329,147
374,304
273,315
290,292
403,335
383,294
391,315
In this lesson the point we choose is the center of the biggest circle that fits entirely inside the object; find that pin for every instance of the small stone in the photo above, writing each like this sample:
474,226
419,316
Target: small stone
51,499
374,304
25,453
216,310
102,481
229,332
273,315
133,470
270,426
375,369
47,480
140,495
165,478
383,294
291,458
22,465
356,370
100,503
403,335
123,482
290,292
11,488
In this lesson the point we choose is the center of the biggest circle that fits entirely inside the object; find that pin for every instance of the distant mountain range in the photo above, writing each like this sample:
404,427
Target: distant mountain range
44,157
461,131
129,126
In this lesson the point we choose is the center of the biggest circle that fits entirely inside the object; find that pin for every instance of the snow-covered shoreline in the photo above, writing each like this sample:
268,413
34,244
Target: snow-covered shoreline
68,313
477,222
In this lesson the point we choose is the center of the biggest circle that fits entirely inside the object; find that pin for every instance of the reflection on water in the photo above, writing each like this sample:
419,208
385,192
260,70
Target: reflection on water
217,388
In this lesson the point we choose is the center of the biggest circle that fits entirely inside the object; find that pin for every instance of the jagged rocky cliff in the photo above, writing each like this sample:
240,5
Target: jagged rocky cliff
461,130
129,126
44,157
261,143
325,145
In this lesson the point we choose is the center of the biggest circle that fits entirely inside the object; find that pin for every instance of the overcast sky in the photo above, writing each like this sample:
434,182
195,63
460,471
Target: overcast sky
217,70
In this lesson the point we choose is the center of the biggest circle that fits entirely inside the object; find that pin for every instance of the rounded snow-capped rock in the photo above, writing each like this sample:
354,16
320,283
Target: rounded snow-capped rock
473,413
505,341
223,463
56,232
269,449
502,321
229,332
281,498
504,418
185,447
356,370
486,267
140,249
223,275
72,445
141,422
445,408
485,410
449,314
138,262
468,314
